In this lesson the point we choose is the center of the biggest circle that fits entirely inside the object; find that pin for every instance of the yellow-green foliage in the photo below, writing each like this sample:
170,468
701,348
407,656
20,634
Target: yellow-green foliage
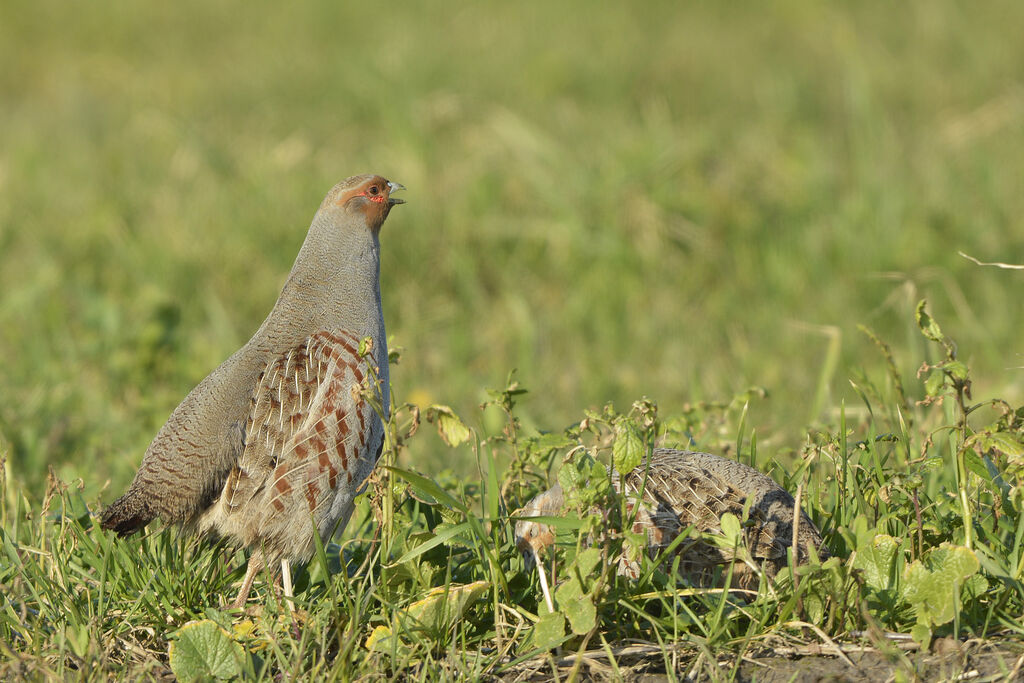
697,203
673,200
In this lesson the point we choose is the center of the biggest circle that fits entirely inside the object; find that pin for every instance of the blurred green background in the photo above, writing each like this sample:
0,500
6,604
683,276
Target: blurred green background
617,199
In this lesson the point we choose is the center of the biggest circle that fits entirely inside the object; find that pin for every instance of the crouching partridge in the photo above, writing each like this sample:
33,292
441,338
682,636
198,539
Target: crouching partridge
271,448
684,489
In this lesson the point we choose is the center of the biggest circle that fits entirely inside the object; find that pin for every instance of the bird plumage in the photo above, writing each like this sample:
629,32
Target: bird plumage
222,463
683,489
312,437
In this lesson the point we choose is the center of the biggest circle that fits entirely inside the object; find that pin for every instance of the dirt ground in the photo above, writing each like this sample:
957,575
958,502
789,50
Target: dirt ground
984,662
948,660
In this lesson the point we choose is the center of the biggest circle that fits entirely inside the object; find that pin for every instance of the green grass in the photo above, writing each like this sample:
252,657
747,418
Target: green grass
918,501
677,202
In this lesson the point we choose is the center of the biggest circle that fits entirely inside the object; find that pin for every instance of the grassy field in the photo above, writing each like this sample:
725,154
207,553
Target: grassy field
700,205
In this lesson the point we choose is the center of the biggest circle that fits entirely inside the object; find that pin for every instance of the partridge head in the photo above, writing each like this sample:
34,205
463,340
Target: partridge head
270,449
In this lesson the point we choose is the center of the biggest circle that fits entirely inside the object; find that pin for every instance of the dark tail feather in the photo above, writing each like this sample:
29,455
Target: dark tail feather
126,515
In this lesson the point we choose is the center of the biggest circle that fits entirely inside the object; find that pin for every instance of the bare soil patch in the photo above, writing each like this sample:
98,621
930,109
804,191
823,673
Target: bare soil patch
949,660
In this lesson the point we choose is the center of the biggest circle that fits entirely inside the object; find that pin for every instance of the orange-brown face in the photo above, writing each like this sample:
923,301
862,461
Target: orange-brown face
373,198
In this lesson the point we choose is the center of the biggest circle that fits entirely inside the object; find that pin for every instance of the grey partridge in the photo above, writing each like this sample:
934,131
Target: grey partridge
683,489
272,447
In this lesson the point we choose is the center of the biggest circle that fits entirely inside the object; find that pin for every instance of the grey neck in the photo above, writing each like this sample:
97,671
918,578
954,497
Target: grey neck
334,284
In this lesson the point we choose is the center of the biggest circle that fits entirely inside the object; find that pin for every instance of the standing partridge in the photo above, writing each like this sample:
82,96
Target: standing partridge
684,489
272,447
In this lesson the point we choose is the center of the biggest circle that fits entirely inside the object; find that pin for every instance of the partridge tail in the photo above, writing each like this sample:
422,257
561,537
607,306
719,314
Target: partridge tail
127,514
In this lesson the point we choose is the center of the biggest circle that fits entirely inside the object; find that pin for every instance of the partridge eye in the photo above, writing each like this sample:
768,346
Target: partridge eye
374,189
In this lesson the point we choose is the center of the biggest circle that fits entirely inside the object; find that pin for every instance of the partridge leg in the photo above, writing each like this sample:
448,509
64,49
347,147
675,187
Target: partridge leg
255,564
286,582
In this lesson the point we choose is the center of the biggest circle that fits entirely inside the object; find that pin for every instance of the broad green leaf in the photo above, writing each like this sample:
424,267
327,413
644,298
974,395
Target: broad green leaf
246,632
78,637
223,619
815,608
1007,443
549,631
587,560
877,561
568,478
976,464
435,613
976,585
932,585
929,328
933,384
452,430
443,605
379,639
551,440
731,529
568,591
922,634
862,532
628,449
365,345
917,585
581,613
202,650
957,369
954,562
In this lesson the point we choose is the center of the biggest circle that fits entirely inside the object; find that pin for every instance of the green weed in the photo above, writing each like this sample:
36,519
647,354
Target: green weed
701,204
919,505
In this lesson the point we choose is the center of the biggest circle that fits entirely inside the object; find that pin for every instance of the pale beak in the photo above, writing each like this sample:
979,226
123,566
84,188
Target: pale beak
394,187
